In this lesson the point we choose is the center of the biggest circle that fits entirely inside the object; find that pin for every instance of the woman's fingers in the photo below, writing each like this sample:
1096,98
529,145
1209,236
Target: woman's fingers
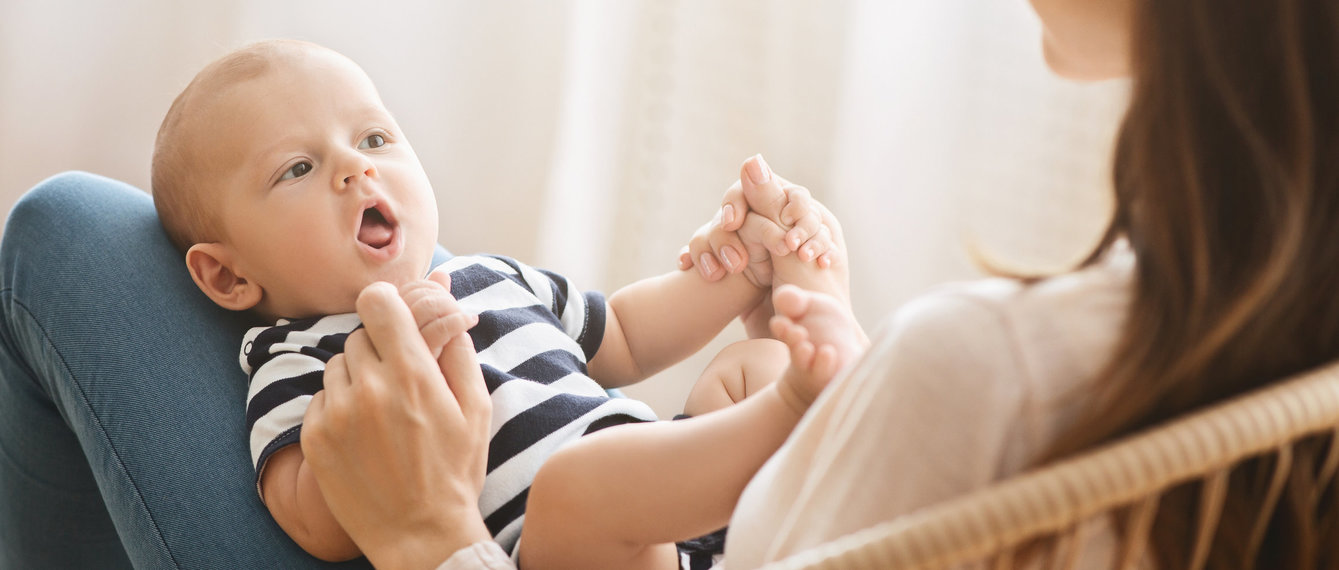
733,208
358,353
702,255
337,384
460,366
764,192
728,250
762,217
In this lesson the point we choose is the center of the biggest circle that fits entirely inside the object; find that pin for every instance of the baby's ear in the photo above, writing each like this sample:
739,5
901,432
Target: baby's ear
212,268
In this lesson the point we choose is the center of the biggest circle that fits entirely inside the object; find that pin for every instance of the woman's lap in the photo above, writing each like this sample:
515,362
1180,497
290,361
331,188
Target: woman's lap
121,400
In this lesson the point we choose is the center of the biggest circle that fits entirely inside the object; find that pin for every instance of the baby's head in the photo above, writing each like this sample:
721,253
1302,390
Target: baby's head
280,174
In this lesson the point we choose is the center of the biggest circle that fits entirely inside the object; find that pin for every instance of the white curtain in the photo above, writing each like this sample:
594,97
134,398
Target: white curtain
593,136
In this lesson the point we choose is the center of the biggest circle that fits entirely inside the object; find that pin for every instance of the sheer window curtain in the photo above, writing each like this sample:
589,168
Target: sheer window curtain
592,137
928,127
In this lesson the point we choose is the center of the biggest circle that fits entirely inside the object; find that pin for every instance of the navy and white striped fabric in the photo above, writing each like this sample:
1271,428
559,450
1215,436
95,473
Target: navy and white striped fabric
535,334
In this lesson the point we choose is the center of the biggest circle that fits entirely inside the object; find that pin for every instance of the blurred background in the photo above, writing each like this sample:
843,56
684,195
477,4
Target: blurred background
593,137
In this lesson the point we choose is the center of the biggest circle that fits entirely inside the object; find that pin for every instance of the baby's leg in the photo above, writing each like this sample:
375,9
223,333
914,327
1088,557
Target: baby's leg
822,336
738,371
621,497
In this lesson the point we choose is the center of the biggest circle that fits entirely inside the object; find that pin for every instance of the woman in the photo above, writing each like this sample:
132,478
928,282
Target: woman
1227,186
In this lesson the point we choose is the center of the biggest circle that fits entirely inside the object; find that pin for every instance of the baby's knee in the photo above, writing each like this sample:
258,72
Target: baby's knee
560,487
563,502
738,371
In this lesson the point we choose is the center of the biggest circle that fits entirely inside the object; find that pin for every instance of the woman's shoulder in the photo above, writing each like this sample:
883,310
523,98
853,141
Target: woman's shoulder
1008,340
1022,351
1080,310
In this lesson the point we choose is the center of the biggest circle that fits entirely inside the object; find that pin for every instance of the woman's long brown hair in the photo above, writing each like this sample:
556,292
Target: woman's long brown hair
1227,188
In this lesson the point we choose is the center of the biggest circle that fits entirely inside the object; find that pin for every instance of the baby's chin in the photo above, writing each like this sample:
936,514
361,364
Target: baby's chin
398,276
407,273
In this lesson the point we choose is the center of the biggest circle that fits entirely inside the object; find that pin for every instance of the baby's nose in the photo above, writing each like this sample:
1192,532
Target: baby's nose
366,173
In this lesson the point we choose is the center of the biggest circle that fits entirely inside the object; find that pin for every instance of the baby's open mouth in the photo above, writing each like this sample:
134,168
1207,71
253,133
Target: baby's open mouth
375,231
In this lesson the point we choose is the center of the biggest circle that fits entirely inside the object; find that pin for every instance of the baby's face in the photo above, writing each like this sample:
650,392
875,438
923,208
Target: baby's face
321,194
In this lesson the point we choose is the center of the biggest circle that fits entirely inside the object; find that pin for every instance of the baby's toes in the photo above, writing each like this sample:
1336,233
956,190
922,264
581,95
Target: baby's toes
827,362
790,301
802,355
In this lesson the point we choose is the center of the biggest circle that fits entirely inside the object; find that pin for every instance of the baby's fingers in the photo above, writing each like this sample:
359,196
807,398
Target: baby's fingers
436,313
441,277
685,258
440,331
765,234
818,246
802,215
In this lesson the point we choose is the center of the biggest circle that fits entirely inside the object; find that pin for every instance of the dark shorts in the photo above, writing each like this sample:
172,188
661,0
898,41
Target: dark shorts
702,552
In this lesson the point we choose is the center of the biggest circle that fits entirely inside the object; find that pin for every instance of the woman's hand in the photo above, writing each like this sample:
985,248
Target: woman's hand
399,442
770,217
761,217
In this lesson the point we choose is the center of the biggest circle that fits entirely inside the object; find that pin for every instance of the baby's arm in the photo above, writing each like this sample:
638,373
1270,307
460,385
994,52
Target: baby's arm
295,501
659,321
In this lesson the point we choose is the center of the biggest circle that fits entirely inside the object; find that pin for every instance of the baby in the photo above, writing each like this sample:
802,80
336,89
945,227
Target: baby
290,188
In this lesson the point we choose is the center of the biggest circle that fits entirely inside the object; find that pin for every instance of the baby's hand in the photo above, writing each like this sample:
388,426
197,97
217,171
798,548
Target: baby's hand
438,316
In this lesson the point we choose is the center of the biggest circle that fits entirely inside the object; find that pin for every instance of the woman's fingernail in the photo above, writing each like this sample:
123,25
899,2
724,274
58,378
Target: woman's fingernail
729,258
727,214
759,173
707,265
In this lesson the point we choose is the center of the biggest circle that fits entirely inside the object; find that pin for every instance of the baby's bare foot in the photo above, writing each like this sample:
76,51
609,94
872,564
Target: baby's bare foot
823,338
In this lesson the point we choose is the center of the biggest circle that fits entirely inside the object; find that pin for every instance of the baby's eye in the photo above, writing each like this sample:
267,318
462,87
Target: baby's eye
296,171
372,141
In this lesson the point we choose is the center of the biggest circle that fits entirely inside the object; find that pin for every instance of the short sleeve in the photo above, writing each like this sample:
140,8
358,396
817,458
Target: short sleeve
581,314
286,365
